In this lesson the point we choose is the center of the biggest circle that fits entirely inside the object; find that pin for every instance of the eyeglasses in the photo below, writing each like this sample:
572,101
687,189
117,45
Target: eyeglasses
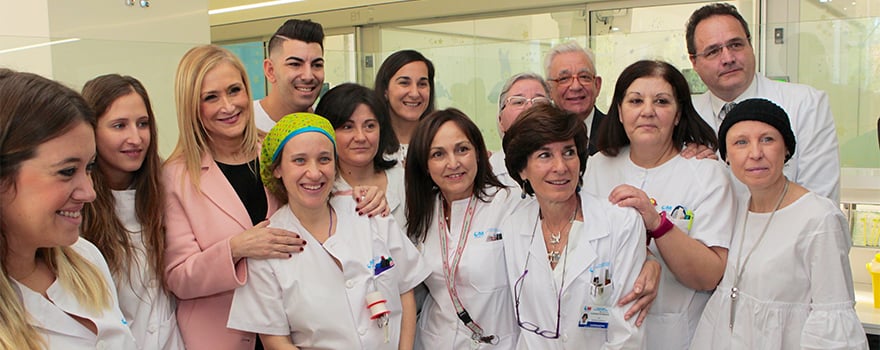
583,78
529,326
519,101
714,51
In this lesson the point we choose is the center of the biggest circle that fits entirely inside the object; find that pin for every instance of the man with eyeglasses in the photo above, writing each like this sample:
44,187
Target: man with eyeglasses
718,42
574,84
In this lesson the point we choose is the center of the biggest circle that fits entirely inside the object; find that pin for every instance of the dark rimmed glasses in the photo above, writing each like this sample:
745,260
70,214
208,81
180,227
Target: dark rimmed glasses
529,326
583,79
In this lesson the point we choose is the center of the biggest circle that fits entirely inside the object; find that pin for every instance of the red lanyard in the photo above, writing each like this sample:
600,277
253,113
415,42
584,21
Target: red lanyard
449,270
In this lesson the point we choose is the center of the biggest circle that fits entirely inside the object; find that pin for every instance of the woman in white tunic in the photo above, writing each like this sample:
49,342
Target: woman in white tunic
455,207
319,299
570,256
687,204
788,283
363,135
125,221
55,288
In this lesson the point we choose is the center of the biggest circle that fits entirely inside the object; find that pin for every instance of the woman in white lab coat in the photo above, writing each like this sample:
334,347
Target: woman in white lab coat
125,222
788,283
325,297
570,255
455,207
687,204
55,288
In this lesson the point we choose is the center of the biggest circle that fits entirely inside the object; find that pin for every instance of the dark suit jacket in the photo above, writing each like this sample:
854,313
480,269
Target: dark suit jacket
598,117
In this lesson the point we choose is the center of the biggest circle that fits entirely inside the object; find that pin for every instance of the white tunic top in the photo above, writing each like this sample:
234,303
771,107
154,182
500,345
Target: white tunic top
148,309
699,186
603,261
796,290
481,279
395,193
52,317
314,302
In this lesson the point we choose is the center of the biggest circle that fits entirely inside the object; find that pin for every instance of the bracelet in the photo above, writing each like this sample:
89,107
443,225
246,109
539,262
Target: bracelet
664,227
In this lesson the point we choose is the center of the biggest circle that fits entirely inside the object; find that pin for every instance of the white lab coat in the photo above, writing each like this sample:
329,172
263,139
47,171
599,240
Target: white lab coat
395,193
481,279
610,239
816,160
148,309
314,302
701,186
52,318
796,290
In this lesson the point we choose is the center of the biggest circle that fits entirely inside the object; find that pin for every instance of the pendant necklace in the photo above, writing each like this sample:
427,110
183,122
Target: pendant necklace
741,264
556,253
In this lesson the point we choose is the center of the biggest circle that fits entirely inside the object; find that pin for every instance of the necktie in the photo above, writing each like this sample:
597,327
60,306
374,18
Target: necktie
725,109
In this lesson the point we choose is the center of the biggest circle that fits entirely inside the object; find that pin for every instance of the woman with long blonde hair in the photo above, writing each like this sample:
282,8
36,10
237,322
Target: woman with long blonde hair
55,288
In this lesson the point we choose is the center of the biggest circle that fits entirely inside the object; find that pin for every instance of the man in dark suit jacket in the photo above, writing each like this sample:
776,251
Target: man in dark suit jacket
574,84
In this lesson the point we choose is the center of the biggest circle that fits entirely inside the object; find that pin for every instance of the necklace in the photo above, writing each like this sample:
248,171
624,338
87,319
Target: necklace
741,264
329,228
555,253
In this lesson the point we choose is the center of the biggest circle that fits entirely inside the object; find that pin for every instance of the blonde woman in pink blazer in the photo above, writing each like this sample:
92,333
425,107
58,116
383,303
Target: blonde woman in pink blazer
216,204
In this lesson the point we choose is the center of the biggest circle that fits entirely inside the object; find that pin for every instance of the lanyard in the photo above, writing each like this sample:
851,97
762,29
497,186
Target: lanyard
449,270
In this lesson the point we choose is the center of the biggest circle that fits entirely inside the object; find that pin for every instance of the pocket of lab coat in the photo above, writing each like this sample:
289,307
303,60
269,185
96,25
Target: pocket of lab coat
667,331
485,270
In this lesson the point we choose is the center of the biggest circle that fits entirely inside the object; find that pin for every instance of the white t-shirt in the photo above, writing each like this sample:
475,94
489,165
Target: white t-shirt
261,118
149,310
481,278
52,318
699,186
320,306
796,290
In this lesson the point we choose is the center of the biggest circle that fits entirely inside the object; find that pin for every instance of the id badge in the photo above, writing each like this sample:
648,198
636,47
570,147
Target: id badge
594,316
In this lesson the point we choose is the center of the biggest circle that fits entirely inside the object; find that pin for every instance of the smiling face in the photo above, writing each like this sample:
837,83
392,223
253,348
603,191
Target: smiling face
409,91
358,138
122,137
307,168
452,162
730,73
575,97
756,154
224,102
552,171
649,112
44,206
296,72
525,88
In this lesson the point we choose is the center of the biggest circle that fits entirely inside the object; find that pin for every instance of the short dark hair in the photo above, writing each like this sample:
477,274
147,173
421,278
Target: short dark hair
691,127
420,187
536,127
339,104
716,9
297,29
393,63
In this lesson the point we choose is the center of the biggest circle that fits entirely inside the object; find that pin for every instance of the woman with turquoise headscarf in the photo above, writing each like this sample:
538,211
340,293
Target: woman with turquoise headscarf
356,292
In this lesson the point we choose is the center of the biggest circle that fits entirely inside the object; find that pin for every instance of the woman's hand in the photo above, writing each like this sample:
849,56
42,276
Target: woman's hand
644,291
697,150
263,242
370,201
629,196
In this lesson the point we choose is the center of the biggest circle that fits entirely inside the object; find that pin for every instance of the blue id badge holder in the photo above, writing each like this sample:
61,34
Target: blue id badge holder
598,313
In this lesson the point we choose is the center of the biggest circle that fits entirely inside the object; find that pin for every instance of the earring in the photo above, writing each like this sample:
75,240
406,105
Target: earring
526,189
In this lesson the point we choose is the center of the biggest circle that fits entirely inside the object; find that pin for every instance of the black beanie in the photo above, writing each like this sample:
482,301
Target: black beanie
757,109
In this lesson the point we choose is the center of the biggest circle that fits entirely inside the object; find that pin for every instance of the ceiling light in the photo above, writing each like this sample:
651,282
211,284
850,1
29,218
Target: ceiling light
251,6
27,47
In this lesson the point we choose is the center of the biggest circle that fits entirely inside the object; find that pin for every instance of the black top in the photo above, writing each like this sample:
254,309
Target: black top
245,179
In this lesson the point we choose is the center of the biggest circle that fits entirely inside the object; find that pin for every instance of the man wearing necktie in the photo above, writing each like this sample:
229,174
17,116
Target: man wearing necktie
718,43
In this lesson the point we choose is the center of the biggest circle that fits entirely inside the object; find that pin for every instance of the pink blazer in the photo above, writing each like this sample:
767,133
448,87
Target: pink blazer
198,260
